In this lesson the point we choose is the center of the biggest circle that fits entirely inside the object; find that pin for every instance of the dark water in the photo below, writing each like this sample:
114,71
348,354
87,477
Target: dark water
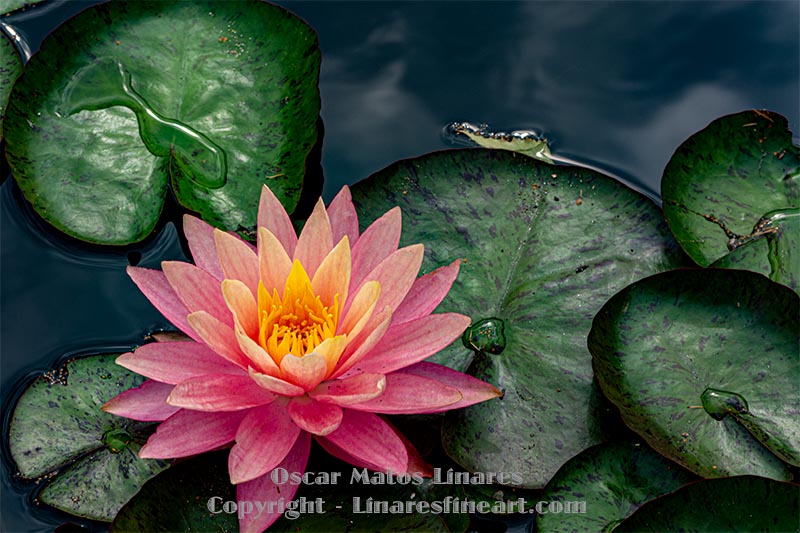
615,84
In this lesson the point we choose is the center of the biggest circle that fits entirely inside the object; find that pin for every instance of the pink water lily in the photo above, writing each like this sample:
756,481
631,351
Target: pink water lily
302,337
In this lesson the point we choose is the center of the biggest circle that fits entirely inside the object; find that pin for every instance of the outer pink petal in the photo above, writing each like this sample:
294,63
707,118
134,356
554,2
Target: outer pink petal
191,432
356,389
147,402
272,215
197,289
307,371
218,336
238,260
242,305
275,385
263,489
473,390
173,362
200,237
396,274
379,240
219,392
410,343
339,453
315,241
264,439
343,217
407,394
368,438
315,417
154,285
426,293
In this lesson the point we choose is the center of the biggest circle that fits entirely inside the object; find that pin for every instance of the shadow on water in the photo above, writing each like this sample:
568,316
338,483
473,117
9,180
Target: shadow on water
614,85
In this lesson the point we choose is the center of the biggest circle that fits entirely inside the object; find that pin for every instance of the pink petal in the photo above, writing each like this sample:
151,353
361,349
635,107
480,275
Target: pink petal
272,215
191,432
396,274
264,439
339,453
416,464
170,336
379,240
315,241
200,237
343,217
332,278
315,417
410,343
368,438
147,402
263,489
356,389
242,305
173,362
473,390
237,259
275,385
197,289
361,309
156,288
274,263
426,293
306,371
218,336
363,343
219,392
258,356
407,394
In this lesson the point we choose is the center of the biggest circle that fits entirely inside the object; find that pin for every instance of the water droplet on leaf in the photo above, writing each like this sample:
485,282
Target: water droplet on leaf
719,403
486,335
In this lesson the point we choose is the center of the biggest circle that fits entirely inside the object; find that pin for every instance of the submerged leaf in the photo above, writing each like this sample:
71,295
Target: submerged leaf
543,247
58,430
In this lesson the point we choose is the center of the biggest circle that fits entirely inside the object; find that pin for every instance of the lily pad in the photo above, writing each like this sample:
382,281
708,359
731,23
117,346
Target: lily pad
542,248
58,431
704,365
605,484
10,69
213,98
724,186
522,141
179,500
742,503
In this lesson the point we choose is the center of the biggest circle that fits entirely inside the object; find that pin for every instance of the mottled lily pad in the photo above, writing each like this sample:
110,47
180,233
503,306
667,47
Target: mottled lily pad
543,247
704,365
58,431
742,503
735,182
214,99
605,484
10,69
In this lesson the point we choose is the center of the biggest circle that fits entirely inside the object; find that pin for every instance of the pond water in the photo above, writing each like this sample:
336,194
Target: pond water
616,85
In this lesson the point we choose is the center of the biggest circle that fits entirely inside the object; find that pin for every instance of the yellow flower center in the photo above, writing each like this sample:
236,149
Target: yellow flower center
296,322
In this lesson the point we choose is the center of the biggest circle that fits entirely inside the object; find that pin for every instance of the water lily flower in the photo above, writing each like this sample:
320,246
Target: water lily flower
299,338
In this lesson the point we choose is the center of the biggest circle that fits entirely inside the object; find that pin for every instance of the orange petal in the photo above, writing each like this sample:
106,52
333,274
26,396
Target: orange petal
331,349
258,356
361,309
315,241
333,275
307,371
274,262
274,384
242,304
217,336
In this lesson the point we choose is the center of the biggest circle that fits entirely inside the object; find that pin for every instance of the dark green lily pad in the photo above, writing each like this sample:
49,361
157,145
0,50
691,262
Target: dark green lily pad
213,98
10,69
725,183
178,501
743,503
59,431
543,247
704,365
611,480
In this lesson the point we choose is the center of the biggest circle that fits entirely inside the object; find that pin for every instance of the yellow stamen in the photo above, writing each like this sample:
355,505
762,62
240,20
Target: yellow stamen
296,322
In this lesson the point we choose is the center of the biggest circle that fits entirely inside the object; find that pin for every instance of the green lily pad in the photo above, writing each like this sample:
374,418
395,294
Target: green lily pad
213,98
10,69
704,365
734,182
524,142
543,247
605,484
59,432
743,503
179,499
